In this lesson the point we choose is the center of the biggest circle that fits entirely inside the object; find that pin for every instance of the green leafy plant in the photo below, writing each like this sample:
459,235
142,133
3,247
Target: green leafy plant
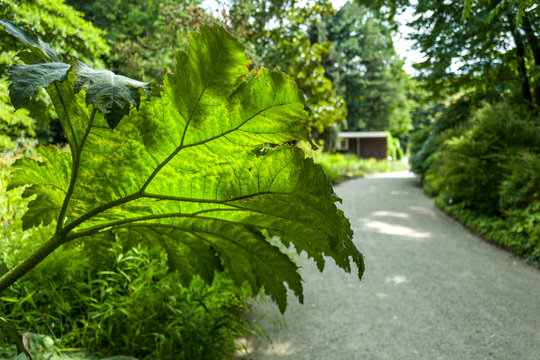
484,170
342,166
204,170
130,305
124,292
16,128
45,348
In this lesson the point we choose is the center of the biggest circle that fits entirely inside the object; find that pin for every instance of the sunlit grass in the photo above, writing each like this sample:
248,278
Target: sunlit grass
342,166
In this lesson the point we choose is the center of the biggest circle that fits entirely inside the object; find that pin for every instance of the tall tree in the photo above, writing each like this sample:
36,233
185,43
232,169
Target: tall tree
493,48
144,34
277,36
366,69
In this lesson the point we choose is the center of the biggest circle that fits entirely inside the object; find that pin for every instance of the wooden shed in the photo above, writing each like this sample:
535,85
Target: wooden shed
364,144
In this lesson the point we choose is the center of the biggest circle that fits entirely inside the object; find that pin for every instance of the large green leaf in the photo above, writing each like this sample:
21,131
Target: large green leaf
50,178
193,172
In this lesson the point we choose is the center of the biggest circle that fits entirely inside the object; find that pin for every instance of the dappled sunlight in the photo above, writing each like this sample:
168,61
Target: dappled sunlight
391,214
245,349
421,210
279,348
397,192
391,229
398,279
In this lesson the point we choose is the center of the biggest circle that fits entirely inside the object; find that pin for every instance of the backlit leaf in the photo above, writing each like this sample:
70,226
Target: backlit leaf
192,171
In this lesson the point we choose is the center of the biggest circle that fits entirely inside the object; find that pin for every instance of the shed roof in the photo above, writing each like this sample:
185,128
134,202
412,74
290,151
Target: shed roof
363,134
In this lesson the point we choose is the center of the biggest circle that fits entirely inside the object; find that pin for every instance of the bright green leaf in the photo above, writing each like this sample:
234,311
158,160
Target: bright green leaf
192,171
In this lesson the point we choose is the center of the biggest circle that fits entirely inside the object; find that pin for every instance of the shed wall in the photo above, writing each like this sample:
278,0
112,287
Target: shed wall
367,147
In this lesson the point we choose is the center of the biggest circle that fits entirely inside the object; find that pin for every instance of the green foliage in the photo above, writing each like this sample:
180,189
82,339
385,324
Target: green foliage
304,65
521,7
144,34
112,94
416,142
517,232
130,294
366,70
12,207
427,140
289,48
494,48
15,126
474,164
393,147
43,347
58,25
484,170
341,166
69,34
133,307
522,185
193,172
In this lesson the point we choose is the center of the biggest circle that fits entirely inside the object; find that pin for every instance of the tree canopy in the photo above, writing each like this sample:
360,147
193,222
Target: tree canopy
144,35
366,70
494,48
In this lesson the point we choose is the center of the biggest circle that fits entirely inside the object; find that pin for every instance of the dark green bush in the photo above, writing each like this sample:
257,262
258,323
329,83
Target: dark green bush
485,172
522,186
475,164
416,141
427,140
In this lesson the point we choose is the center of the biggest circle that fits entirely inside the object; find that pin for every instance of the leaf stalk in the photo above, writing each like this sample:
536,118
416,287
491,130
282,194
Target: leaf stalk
31,261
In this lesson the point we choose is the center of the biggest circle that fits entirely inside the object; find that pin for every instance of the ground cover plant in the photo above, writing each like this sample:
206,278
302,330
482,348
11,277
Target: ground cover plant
204,170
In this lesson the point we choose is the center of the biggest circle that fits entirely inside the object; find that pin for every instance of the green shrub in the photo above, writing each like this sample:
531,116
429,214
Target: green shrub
474,165
416,141
518,231
428,140
486,174
522,186
393,147
340,166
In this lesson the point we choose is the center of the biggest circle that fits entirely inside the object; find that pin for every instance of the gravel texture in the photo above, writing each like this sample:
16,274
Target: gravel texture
431,290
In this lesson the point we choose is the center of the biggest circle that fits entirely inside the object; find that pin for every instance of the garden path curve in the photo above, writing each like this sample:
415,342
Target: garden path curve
431,290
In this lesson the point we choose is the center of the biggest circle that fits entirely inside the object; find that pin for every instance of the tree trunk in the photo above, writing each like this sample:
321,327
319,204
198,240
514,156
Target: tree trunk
520,51
534,44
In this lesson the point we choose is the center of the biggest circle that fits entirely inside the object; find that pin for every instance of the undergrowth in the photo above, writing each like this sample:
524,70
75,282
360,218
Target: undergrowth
338,167
132,307
484,170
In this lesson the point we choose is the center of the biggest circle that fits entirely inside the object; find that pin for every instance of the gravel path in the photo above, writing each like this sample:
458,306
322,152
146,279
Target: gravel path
431,290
